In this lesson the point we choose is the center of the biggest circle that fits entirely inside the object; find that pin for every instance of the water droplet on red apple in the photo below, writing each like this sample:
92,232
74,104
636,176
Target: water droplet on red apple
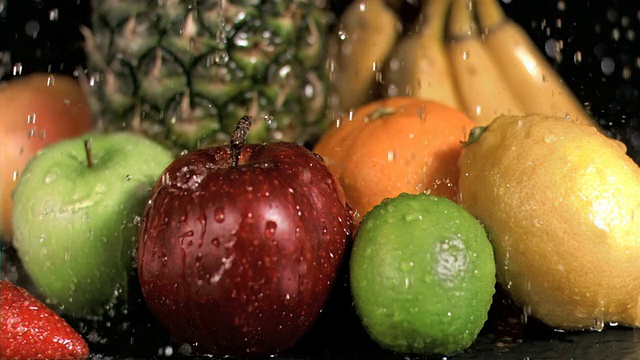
306,175
183,236
270,229
325,233
190,177
263,164
218,214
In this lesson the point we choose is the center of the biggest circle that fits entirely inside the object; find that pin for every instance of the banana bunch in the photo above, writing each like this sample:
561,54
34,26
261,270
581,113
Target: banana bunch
467,54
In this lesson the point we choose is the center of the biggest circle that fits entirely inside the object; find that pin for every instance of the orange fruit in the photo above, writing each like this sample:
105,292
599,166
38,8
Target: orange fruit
395,145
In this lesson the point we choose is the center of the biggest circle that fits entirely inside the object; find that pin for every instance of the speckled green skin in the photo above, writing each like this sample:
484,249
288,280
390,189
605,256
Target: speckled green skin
75,226
422,275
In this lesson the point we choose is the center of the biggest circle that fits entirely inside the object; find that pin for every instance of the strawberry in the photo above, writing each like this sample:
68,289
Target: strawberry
30,330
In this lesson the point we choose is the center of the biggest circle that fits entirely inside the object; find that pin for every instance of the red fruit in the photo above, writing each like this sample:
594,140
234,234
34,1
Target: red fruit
239,247
30,330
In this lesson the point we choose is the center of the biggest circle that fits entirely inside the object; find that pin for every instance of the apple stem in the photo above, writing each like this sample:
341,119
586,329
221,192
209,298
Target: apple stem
239,137
87,149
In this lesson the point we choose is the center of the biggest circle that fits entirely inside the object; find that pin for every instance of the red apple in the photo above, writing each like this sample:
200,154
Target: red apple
240,245
35,111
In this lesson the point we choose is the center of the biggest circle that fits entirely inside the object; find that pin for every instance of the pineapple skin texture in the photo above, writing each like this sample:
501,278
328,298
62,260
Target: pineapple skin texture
184,72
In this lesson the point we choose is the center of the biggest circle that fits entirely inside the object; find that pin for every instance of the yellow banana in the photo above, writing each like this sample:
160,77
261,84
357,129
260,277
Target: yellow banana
483,91
419,64
530,76
367,32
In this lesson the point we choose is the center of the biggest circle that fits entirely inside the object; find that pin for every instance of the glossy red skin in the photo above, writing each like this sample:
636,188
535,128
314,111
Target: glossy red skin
30,330
229,280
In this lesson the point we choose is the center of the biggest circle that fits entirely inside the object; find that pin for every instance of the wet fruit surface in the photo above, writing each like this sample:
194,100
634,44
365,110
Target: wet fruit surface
76,216
594,47
394,145
422,275
558,200
240,259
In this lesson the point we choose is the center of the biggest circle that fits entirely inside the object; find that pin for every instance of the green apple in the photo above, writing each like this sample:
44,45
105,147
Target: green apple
76,212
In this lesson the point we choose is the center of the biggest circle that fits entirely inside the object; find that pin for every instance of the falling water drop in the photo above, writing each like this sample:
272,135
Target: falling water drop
607,65
32,28
526,313
268,119
53,14
17,69
221,57
577,57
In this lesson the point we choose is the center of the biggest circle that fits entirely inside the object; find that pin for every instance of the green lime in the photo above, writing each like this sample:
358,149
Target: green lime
422,275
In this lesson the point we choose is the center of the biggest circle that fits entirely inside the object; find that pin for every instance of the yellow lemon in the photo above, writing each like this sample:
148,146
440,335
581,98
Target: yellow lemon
558,200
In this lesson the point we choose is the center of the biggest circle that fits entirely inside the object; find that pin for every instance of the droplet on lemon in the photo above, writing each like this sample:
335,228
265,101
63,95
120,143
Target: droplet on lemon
422,275
558,200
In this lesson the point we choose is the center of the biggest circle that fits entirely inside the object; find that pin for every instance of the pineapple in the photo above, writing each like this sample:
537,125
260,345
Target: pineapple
183,72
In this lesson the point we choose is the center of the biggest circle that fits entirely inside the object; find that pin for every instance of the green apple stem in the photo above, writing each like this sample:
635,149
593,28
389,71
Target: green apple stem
239,138
87,149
